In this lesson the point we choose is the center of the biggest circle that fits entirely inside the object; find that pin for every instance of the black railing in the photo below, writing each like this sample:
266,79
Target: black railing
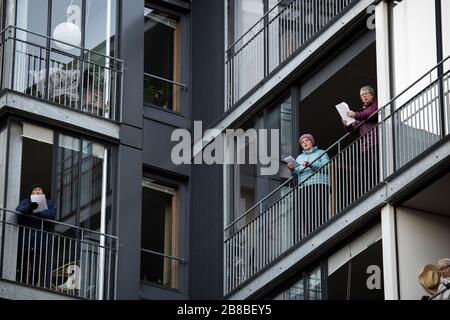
58,257
273,39
401,130
77,78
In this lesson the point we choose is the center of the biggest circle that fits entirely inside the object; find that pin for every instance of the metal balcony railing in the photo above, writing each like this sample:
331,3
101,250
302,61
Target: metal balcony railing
60,73
401,130
58,257
162,93
273,39
161,269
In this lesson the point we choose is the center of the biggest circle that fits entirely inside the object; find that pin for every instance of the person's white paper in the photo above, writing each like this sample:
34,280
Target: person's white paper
343,108
41,201
292,161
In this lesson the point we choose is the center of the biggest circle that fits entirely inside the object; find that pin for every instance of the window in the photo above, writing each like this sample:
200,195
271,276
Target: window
159,234
161,60
66,21
308,287
248,185
58,70
73,181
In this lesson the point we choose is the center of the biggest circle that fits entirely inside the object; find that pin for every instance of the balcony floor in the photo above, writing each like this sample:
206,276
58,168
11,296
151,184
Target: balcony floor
49,112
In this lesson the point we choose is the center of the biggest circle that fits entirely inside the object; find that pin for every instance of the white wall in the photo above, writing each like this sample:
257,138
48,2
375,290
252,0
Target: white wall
414,43
422,239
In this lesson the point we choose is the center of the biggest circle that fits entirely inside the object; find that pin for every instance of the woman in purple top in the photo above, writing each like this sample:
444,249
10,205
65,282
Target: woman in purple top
368,143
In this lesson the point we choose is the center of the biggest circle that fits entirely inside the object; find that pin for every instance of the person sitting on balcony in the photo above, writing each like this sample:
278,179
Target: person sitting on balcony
33,235
368,142
313,185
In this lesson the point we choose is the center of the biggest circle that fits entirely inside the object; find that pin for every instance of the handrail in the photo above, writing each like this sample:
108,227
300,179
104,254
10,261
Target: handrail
62,42
165,80
164,255
259,203
57,223
68,54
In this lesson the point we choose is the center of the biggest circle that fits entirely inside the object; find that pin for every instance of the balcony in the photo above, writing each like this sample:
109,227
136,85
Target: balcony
62,74
279,35
408,126
57,258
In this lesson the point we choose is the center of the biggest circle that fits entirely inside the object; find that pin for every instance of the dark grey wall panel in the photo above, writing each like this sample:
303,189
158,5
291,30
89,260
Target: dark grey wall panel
207,60
132,52
206,233
206,217
129,218
158,147
131,136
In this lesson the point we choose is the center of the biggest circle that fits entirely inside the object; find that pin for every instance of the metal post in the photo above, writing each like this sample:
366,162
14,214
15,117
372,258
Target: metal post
101,262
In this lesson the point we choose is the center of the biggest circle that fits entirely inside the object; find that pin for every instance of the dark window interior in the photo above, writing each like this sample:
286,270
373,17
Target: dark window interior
159,231
37,162
317,111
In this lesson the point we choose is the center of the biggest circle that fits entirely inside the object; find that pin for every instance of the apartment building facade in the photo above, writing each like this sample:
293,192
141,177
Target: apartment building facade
92,91
384,217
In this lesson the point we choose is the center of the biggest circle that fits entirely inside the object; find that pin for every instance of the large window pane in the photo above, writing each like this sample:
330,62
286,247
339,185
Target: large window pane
91,185
66,24
159,236
243,15
295,292
28,12
67,173
161,67
315,285
100,26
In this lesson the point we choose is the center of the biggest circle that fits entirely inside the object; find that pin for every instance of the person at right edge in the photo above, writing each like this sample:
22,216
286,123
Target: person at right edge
368,136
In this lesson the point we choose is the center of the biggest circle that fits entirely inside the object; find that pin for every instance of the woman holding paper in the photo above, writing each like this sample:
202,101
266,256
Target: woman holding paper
367,158
314,187
370,106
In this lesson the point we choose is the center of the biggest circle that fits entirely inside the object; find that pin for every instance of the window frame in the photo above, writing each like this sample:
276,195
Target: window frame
179,202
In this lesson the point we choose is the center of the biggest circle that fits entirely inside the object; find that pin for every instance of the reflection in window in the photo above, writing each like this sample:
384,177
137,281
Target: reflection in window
67,177
27,11
100,26
308,287
79,177
296,292
249,186
161,67
67,24
159,236
315,285
91,184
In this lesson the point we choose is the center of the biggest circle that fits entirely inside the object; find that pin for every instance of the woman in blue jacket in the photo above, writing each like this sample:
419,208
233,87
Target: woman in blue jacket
314,187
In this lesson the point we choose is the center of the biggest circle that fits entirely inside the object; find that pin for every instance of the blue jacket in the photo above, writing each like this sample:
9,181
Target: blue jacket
305,172
32,220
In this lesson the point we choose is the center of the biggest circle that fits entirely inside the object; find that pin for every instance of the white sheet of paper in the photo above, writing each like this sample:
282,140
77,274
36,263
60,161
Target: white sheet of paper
343,108
292,161
41,201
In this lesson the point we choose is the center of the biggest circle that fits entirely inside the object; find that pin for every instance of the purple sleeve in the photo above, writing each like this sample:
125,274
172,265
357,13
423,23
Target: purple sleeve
367,112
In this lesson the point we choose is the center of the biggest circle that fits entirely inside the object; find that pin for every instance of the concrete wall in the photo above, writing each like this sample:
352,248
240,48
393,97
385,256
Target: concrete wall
423,239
